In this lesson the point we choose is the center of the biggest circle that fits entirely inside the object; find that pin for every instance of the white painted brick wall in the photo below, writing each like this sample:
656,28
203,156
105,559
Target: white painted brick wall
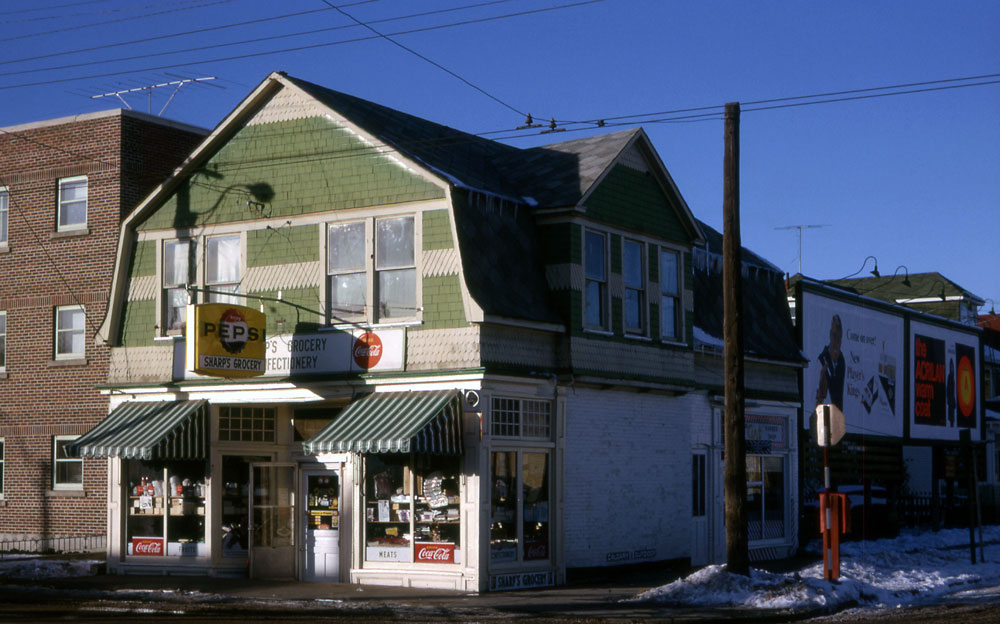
627,476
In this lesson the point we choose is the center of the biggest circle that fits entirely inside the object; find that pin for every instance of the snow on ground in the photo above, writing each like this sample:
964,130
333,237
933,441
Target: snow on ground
914,568
35,567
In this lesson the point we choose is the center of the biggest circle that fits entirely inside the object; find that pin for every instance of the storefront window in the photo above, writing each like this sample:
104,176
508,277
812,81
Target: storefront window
520,479
236,503
765,497
412,510
166,508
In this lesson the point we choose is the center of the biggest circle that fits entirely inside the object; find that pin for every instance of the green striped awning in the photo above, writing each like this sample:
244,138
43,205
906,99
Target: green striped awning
137,430
395,422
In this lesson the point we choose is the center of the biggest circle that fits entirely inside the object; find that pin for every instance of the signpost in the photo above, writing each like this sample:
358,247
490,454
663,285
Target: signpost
830,429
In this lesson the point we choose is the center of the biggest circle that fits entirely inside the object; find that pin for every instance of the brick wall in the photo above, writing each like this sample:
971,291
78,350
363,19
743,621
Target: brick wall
123,157
627,477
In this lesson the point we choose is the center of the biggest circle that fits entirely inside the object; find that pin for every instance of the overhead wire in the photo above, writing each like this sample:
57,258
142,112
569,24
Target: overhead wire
314,46
77,27
197,31
428,60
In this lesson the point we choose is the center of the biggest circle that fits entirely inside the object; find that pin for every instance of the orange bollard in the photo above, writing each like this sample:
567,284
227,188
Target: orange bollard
833,520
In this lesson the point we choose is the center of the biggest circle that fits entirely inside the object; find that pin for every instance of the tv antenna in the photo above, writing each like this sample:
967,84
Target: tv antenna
176,84
800,228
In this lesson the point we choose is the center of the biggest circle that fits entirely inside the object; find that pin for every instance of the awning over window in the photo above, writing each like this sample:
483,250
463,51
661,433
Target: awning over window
137,430
395,422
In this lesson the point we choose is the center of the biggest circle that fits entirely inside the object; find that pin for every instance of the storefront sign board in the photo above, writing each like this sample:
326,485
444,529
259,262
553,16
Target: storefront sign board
327,352
522,580
398,554
225,340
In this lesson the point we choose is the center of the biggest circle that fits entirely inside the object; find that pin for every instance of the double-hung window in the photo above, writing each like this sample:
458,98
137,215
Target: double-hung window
669,294
4,199
223,261
178,256
72,211
70,332
595,312
347,275
3,341
395,268
373,260
67,471
635,287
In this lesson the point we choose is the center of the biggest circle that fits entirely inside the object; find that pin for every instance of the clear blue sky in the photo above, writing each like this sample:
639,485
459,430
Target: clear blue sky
913,179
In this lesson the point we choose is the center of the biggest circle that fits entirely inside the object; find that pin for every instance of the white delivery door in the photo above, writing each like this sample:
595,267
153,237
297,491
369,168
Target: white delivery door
321,526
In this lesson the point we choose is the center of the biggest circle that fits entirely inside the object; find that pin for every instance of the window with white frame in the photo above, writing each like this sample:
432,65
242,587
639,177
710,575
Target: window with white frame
373,260
521,418
67,471
595,308
395,268
346,268
72,210
223,268
4,198
670,294
70,332
635,287
3,340
178,267
247,424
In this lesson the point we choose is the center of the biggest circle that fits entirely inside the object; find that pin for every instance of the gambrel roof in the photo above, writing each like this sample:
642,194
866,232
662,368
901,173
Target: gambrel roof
499,257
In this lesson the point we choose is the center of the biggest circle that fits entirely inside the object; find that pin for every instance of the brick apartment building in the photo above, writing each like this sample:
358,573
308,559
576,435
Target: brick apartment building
65,185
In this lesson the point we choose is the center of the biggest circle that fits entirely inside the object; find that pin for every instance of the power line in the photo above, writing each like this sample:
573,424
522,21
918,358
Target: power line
77,27
308,47
424,58
181,34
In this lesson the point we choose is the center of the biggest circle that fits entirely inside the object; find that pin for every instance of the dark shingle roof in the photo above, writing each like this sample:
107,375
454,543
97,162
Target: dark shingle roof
933,293
767,323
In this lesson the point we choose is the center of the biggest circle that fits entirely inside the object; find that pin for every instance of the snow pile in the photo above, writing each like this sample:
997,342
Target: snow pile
41,568
911,569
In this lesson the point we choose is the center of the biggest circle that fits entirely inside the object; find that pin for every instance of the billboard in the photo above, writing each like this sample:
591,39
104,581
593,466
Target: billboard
944,365
855,361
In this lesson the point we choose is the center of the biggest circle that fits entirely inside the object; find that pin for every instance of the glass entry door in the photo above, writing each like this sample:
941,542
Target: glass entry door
272,521
321,514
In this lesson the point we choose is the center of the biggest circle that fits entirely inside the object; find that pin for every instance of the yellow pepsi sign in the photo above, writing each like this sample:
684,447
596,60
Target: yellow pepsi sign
226,340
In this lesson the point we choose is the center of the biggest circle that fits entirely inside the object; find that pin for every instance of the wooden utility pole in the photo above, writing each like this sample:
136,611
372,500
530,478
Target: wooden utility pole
737,554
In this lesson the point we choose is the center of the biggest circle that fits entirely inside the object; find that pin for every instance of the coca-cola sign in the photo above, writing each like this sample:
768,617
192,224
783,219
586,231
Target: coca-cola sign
147,546
367,350
435,553
536,550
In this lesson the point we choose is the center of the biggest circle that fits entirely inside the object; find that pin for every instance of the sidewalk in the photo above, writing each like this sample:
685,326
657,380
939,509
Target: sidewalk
594,597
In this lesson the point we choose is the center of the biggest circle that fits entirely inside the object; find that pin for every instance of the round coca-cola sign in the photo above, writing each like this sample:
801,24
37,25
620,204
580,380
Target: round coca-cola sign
367,350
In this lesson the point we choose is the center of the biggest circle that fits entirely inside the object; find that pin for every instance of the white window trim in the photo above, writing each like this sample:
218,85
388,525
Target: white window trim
371,315
73,227
545,440
203,256
55,461
164,288
679,322
642,290
56,331
3,340
605,322
3,465
5,211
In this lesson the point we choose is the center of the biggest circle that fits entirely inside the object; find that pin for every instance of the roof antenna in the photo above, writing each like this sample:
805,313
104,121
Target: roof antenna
177,84
800,228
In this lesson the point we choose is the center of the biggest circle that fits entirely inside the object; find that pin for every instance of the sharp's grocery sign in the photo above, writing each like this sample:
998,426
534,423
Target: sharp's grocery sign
228,340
